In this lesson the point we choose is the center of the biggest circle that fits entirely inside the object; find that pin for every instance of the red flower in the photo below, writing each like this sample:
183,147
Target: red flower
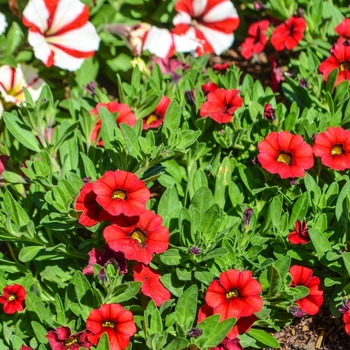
345,310
339,59
23,347
121,192
220,105
209,88
288,34
13,298
114,320
333,146
300,235
285,154
62,339
156,118
108,256
140,241
235,294
222,67
256,40
302,276
151,285
343,29
125,115
229,344
269,113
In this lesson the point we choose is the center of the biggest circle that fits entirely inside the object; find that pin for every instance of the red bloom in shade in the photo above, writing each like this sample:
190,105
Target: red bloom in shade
339,59
256,40
151,285
156,118
209,88
229,344
285,154
125,115
288,34
220,105
300,235
345,310
62,339
139,241
235,294
302,276
108,256
343,29
121,192
333,146
13,298
114,320
222,67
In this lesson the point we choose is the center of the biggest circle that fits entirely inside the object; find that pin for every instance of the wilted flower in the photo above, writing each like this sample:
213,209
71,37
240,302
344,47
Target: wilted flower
296,311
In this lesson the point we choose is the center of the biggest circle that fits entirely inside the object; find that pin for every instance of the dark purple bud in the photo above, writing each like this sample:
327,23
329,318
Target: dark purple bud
300,12
345,306
296,311
190,98
269,113
313,137
247,216
293,181
86,180
91,88
175,78
102,276
259,6
195,332
255,161
195,250
303,83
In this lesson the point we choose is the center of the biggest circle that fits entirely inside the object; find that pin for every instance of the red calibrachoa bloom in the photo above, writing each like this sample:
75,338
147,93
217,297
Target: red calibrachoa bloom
229,344
121,192
288,34
222,67
343,29
345,310
139,241
209,88
302,276
125,115
114,320
300,235
151,285
235,294
220,105
13,298
333,146
269,113
23,347
339,59
256,40
285,154
63,339
156,118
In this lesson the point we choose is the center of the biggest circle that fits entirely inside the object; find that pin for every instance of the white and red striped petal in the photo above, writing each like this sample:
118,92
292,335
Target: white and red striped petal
60,33
12,81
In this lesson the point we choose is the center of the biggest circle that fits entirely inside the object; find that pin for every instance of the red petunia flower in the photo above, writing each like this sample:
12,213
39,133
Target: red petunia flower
339,59
220,105
140,241
13,298
108,256
222,67
63,339
125,115
285,154
235,294
333,146
209,88
121,192
302,276
288,34
114,320
229,344
345,310
156,118
256,40
343,29
151,285
300,235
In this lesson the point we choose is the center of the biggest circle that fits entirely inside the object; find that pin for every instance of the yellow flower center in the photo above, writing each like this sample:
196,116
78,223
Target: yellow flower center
344,65
11,297
70,342
284,158
108,324
119,194
152,118
232,294
139,236
337,149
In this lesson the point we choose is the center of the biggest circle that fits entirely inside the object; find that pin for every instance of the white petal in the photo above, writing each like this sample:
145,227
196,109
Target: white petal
6,73
1,109
184,43
198,7
221,12
159,42
3,23
83,39
218,40
182,18
41,48
67,11
37,13
66,61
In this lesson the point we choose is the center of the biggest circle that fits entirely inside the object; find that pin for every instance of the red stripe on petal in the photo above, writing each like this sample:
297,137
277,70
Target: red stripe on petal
31,26
51,6
51,59
226,26
13,74
78,22
74,53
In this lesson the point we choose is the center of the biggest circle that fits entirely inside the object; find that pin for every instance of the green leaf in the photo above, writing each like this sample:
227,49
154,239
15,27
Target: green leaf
103,343
131,140
14,37
152,319
223,179
346,259
169,204
202,200
264,338
29,253
275,210
300,209
34,304
320,242
89,166
177,343
332,78
40,332
171,257
131,289
21,132
172,117
186,307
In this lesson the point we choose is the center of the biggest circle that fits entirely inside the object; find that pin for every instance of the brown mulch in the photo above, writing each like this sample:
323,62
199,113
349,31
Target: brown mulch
322,331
